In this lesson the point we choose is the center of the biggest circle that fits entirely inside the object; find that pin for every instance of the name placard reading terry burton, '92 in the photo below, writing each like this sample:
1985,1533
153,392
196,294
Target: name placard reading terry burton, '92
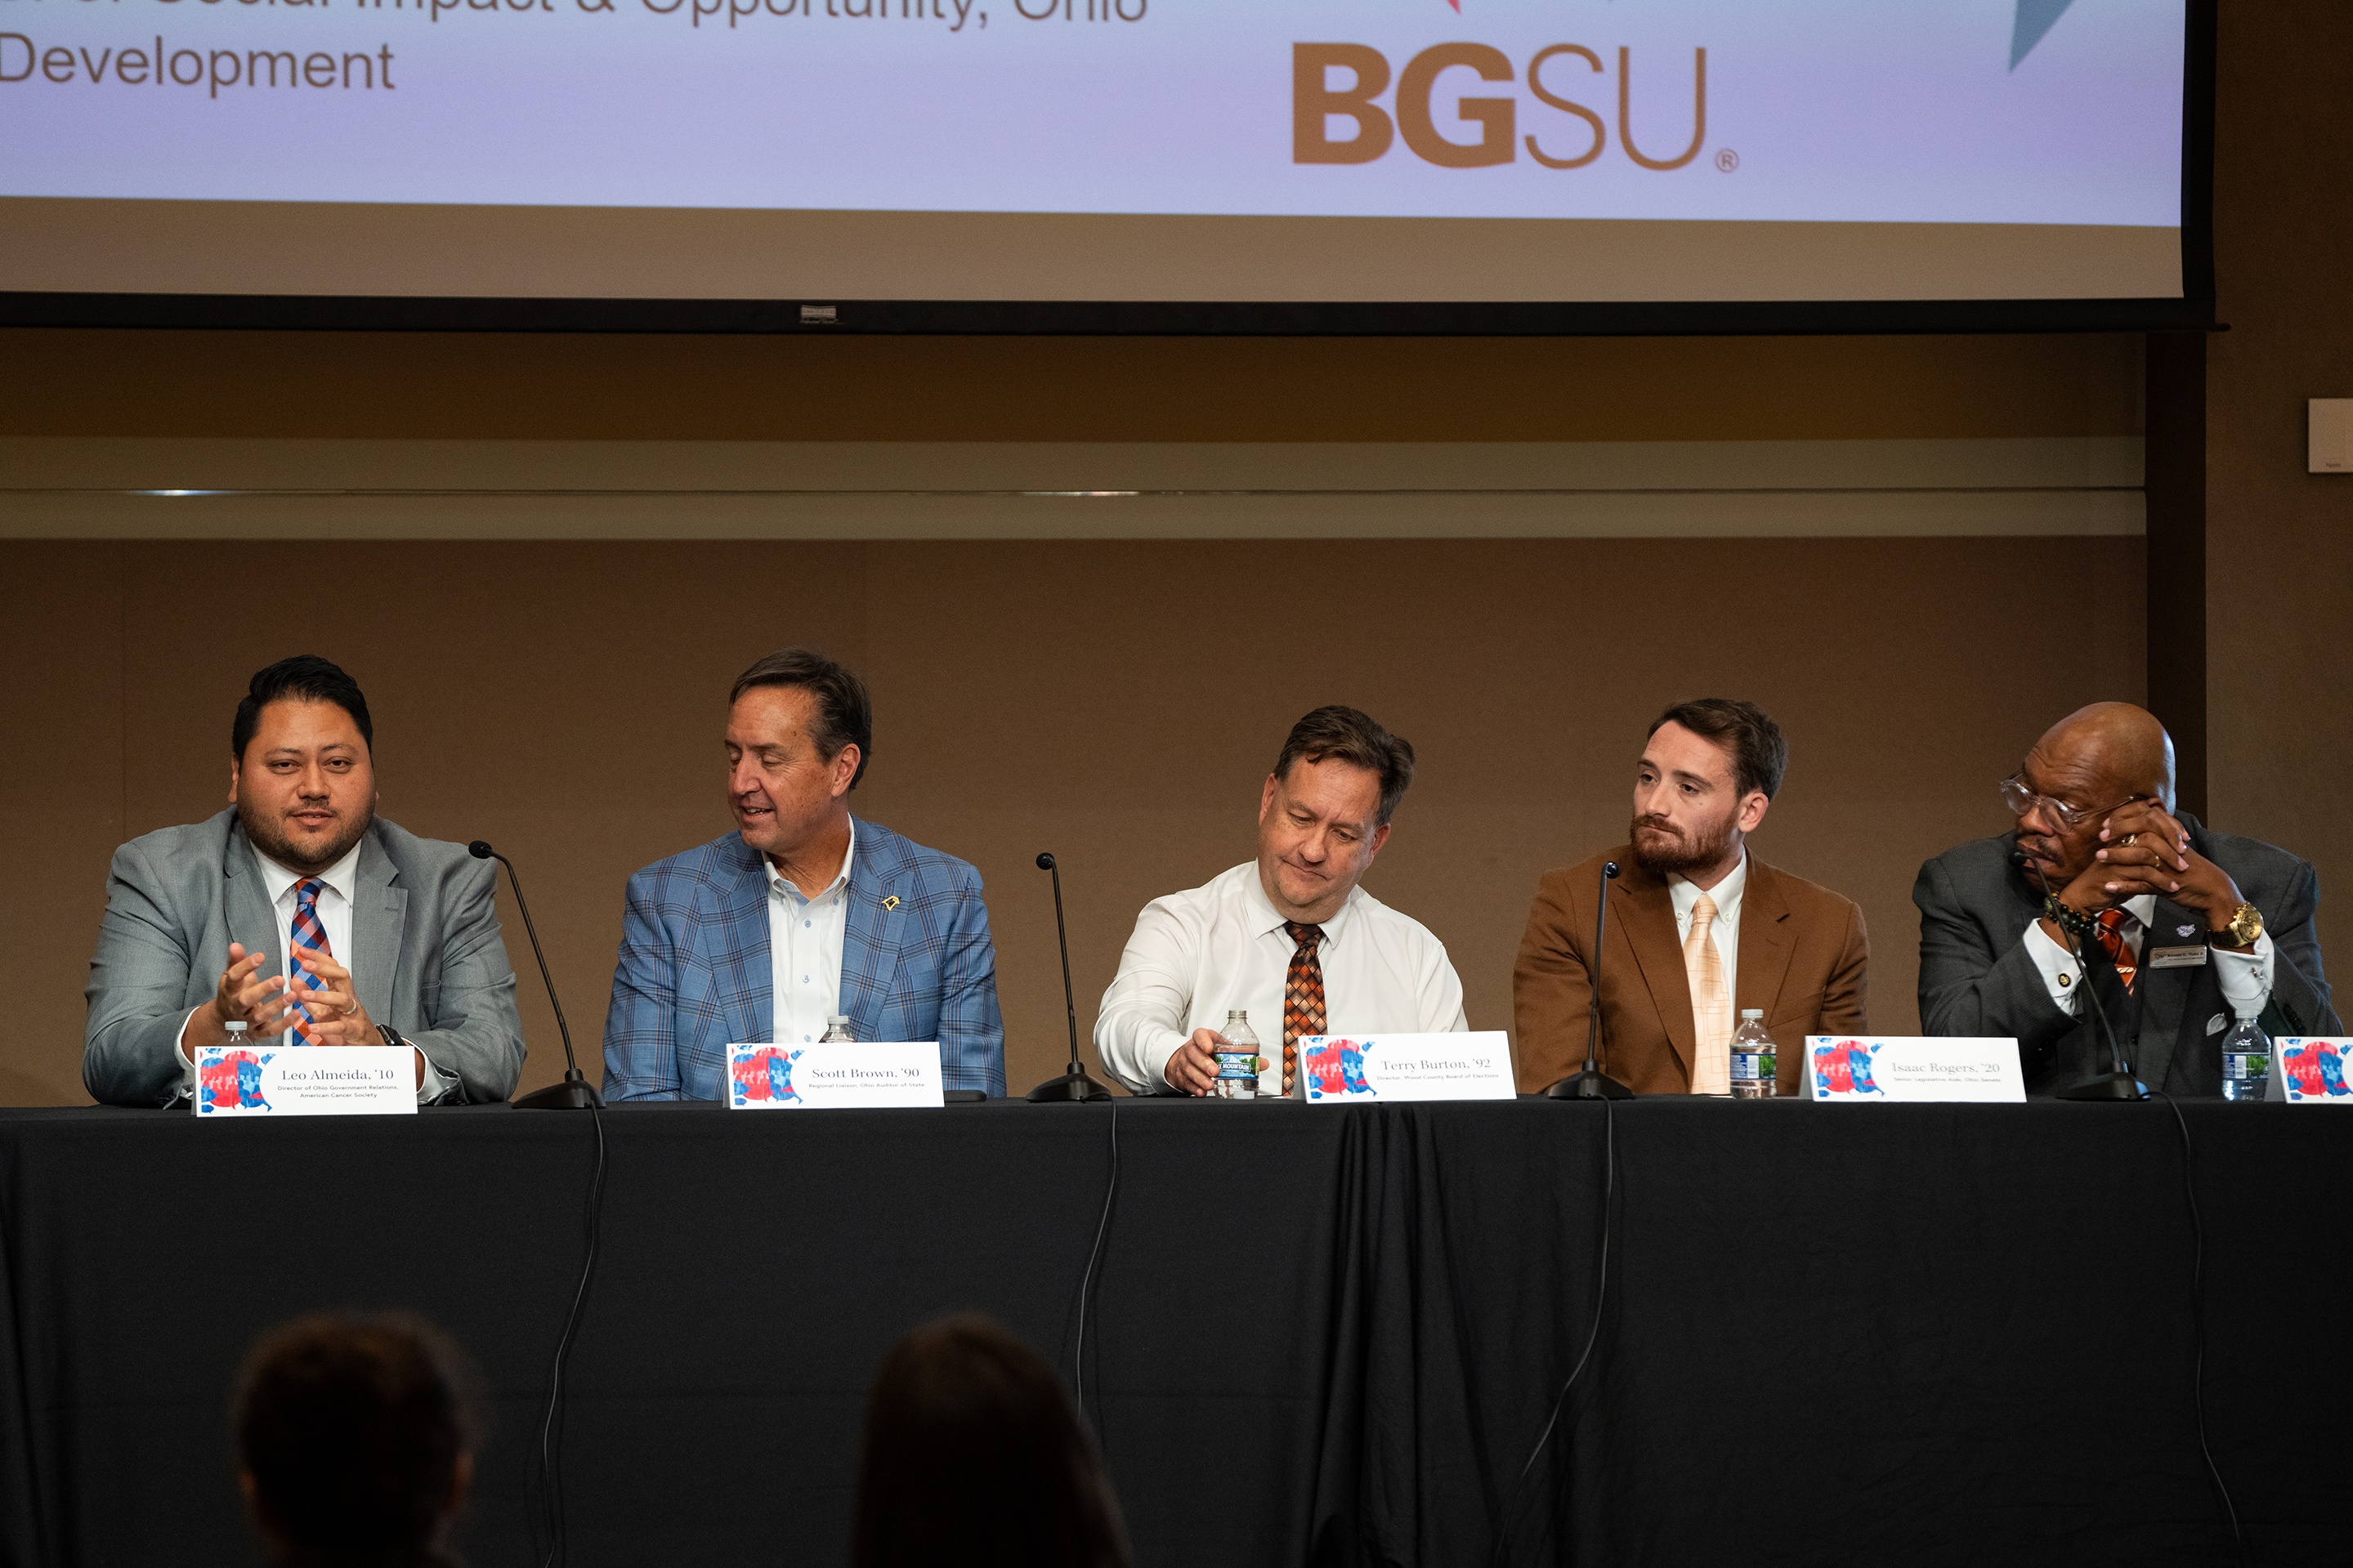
1340,1070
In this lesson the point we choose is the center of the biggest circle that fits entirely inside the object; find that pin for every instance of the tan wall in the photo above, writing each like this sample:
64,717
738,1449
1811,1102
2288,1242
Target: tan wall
2280,539
1116,702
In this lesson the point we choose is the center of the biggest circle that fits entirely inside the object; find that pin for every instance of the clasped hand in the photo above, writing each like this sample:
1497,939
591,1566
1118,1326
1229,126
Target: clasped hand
266,1007
2144,850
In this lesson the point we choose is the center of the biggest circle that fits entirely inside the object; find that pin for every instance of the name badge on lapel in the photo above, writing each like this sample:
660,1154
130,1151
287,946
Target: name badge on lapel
2177,957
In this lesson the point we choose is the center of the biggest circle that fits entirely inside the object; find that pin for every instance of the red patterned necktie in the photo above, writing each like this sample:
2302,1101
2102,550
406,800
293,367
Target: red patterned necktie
1303,996
2111,936
307,932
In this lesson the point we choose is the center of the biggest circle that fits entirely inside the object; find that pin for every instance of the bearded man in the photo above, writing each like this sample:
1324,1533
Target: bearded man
1699,929
302,914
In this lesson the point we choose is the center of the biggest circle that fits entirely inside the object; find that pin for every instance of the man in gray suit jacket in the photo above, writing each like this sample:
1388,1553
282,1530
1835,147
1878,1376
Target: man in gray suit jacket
380,937
2179,926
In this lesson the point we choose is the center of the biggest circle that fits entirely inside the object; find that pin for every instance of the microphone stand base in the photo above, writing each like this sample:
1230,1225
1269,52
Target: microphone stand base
1072,1087
572,1094
1590,1084
2106,1086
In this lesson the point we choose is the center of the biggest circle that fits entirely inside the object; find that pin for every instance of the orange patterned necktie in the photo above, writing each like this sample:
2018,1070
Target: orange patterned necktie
2111,936
1303,996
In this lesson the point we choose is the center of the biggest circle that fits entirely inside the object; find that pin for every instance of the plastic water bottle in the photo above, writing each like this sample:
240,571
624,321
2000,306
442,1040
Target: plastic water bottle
1755,1064
2246,1060
837,1031
1236,1059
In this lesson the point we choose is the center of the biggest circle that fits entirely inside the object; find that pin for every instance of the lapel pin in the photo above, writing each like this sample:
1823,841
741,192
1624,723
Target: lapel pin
2185,931
892,903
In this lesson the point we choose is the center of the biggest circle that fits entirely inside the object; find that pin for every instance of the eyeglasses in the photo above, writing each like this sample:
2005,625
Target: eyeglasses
2022,801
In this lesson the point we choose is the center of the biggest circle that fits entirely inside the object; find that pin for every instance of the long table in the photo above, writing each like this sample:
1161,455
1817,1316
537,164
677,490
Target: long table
1925,1333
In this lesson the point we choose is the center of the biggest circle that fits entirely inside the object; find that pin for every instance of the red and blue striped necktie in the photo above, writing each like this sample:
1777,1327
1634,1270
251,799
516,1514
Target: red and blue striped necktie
307,932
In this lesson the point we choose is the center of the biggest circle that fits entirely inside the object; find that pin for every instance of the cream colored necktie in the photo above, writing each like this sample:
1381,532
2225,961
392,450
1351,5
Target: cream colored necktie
1711,1004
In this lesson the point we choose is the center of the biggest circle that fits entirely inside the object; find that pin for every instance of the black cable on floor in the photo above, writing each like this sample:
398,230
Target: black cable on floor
1102,1229
2198,1324
1601,1297
548,1521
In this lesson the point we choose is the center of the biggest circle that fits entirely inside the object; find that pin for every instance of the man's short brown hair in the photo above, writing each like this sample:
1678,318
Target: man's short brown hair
844,714
1746,732
1343,734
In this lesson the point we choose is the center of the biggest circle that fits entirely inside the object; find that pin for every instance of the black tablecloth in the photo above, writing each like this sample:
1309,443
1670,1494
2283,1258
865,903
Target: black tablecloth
1933,1333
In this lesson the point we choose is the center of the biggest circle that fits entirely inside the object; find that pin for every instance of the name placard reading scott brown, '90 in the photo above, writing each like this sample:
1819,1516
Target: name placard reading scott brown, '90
837,1076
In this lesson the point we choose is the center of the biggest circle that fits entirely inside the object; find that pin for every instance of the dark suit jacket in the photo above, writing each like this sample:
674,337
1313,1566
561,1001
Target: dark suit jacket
1976,977
1802,960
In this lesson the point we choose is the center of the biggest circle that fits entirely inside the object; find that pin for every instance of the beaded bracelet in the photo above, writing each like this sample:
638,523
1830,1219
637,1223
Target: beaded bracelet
2073,921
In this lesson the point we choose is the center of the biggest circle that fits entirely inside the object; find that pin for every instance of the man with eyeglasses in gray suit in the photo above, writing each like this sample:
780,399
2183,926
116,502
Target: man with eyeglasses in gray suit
2179,926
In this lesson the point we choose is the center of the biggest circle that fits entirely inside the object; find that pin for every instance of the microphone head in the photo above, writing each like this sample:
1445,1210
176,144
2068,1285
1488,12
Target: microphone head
1045,862
1609,870
479,850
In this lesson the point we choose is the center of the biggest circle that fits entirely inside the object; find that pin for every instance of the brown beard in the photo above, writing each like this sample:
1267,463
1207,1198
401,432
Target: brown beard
267,838
1687,855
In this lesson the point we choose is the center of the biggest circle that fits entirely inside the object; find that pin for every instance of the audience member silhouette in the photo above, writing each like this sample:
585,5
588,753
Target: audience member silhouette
354,1442
972,1458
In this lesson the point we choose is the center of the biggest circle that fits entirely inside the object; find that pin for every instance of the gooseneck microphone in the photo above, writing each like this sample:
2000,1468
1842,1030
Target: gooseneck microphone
2117,1082
1591,1082
575,1093
1073,1085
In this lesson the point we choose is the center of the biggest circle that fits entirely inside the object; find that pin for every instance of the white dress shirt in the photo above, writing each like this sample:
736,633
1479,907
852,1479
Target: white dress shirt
2245,977
804,938
334,905
1199,955
1725,931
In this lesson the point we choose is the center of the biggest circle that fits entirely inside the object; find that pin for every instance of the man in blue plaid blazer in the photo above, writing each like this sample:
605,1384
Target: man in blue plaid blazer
804,913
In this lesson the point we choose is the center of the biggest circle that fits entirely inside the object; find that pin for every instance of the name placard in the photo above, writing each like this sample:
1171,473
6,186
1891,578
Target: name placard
2312,1068
837,1076
265,1079
1340,1070
1888,1068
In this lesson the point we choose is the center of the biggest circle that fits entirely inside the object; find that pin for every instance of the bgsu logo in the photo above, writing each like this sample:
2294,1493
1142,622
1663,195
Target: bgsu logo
1316,103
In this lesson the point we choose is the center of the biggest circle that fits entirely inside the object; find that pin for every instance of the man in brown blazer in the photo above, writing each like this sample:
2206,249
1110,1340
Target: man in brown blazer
1699,929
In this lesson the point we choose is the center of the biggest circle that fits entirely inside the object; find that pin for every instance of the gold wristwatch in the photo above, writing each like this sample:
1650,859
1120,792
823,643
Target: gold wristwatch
2246,925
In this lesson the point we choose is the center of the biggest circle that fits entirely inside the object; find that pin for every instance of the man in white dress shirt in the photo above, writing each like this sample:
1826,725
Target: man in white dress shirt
1290,938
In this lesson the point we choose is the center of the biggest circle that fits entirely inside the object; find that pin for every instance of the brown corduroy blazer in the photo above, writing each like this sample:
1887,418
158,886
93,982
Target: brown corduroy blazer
1802,960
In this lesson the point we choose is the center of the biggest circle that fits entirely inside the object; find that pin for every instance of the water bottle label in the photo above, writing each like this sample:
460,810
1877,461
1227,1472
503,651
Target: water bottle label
1236,1064
1750,1067
2240,1066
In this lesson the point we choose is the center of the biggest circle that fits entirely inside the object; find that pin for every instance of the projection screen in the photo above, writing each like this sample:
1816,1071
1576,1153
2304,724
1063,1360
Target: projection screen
1267,153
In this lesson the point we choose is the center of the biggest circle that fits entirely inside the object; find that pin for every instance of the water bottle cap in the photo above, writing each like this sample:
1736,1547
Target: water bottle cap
235,1025
1234,1013
837,1017
1758,1013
